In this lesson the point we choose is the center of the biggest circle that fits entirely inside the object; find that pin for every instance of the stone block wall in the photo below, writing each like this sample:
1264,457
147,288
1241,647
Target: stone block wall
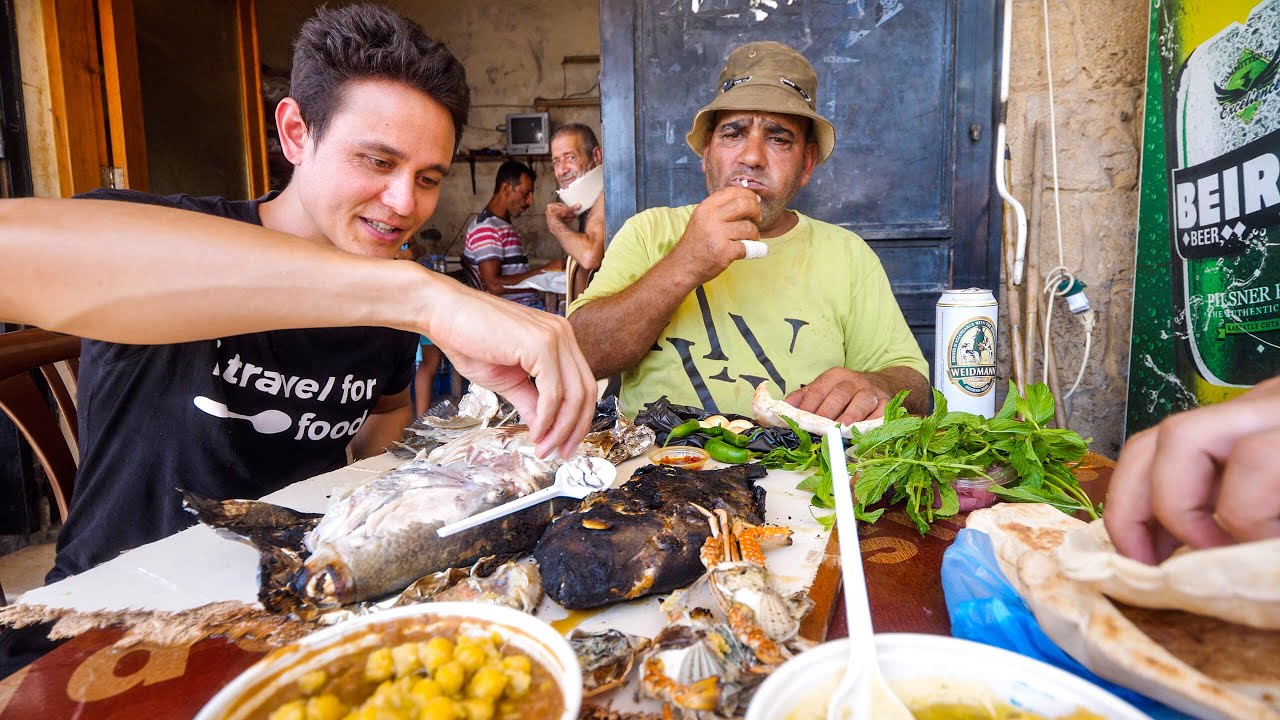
1099,57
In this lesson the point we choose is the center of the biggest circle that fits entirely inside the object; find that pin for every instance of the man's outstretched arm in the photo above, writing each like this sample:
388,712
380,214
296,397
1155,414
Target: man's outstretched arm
132,273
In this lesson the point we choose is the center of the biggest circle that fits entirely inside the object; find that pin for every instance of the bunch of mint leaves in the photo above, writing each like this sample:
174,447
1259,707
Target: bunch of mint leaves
917,458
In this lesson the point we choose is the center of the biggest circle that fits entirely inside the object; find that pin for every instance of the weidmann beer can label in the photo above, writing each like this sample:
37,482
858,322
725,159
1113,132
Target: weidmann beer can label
964,360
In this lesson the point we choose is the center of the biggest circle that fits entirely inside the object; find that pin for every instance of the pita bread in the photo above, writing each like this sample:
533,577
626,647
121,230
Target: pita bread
1237,583
1208,668
769,413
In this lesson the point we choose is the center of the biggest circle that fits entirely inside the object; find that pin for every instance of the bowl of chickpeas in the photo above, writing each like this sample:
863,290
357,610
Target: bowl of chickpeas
436,661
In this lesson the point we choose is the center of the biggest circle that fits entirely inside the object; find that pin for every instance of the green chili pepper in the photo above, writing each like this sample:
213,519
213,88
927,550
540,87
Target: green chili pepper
722,451
735,439
684,429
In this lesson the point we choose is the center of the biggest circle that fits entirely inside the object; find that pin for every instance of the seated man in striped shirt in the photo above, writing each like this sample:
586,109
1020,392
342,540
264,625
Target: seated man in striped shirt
494,252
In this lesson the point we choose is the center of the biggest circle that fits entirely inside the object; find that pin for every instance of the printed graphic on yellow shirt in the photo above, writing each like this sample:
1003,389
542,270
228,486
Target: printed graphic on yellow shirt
683,347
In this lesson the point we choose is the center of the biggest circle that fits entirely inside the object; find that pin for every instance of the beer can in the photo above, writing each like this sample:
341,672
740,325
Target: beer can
964,355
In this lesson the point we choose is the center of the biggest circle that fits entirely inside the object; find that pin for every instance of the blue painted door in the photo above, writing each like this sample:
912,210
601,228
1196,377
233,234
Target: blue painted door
909,85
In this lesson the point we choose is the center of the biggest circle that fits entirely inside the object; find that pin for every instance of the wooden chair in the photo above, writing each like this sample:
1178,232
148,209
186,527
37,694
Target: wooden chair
57,357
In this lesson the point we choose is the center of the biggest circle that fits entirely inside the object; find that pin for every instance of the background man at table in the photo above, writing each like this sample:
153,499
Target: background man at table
575,152
494,252
677,310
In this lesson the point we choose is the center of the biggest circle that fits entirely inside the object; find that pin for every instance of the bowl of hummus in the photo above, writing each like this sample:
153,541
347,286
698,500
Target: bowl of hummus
940,678
445,659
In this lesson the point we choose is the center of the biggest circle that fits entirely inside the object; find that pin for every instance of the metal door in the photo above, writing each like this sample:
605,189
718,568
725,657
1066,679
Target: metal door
909,85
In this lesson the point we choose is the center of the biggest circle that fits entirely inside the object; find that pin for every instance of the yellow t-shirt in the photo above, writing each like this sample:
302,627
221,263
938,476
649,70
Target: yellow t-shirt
819,300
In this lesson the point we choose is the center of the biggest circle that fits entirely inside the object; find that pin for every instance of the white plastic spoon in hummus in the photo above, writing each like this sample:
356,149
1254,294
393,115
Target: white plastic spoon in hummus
862,692
577,478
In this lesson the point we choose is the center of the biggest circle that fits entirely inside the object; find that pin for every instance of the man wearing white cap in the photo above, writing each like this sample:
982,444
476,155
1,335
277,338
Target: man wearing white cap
678,310
577,219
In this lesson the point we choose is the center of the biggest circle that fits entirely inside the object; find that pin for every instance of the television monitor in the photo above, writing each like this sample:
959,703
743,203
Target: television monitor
528,134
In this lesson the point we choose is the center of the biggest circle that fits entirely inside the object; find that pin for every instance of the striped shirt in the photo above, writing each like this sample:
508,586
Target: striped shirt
489,237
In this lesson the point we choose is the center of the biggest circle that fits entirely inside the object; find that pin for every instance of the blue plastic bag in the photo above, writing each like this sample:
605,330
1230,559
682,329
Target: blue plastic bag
985,608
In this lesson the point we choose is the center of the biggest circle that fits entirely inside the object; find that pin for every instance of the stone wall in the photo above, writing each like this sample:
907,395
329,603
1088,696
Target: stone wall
1099,57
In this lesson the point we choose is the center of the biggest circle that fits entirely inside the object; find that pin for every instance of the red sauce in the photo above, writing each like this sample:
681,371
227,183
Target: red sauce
685,458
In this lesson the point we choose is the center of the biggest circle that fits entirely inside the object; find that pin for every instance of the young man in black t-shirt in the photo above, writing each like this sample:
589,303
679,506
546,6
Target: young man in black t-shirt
375,112
210,381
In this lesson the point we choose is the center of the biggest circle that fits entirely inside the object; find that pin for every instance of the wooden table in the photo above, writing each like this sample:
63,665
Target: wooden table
89,679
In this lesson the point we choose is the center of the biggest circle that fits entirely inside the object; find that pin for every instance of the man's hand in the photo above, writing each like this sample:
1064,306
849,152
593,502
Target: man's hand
1206,477
844,395
560,215
710,242
500,345
556,264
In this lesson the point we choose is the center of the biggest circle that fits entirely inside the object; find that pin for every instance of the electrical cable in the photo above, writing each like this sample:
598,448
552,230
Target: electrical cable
1087,319
1059,280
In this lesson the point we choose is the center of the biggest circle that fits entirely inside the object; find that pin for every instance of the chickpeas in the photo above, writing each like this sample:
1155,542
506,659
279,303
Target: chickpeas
379,666
468,678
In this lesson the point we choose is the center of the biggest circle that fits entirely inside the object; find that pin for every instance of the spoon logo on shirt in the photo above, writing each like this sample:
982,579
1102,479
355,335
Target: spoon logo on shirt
329,392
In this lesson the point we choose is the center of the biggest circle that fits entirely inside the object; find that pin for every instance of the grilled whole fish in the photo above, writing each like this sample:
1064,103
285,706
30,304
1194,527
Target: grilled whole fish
643,537
382,536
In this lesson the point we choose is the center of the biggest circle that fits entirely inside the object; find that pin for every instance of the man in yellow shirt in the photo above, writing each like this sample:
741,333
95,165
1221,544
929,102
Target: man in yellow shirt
679,312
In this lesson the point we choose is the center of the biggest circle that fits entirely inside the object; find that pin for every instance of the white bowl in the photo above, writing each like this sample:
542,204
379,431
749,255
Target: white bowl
1015,679
584,190
256,685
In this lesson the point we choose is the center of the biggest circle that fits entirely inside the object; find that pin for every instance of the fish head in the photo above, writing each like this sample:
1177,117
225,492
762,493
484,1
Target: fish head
325,585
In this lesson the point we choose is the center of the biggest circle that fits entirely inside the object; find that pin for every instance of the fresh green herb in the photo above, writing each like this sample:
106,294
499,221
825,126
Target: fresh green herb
915,460
802,458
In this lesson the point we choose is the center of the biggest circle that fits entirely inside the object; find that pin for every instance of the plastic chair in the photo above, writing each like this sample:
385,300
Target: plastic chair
57,357
576,280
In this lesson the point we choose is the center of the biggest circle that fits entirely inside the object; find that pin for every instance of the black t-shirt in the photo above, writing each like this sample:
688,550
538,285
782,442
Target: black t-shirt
158,417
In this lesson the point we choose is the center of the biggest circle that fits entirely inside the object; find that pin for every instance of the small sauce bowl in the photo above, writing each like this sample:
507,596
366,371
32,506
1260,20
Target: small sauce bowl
684,457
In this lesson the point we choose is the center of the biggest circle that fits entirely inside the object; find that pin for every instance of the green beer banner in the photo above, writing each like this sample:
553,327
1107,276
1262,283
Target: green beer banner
1206,305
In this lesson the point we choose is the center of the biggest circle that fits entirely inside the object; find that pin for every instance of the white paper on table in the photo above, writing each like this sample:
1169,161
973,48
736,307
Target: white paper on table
201,565
548,281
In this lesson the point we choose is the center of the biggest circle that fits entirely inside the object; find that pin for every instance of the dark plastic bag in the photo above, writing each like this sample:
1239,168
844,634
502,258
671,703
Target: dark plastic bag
985,608
662,415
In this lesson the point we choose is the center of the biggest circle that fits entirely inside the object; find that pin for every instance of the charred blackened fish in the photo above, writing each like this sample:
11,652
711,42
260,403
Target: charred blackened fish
643,537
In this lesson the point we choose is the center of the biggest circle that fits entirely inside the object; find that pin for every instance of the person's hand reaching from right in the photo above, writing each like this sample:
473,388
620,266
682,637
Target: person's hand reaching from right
1205,478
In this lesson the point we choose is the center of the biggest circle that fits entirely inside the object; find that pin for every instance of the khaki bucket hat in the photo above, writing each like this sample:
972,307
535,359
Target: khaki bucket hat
769,77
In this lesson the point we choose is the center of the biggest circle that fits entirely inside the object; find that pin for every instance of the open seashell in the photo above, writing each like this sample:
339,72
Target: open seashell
696,662
773,616
607,657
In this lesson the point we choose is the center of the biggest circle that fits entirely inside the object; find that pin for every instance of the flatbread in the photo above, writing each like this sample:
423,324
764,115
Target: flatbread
769,413
1238,583
1208,668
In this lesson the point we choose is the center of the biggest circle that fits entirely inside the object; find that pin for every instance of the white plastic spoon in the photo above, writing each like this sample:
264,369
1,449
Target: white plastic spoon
267,422
862,692
577,478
